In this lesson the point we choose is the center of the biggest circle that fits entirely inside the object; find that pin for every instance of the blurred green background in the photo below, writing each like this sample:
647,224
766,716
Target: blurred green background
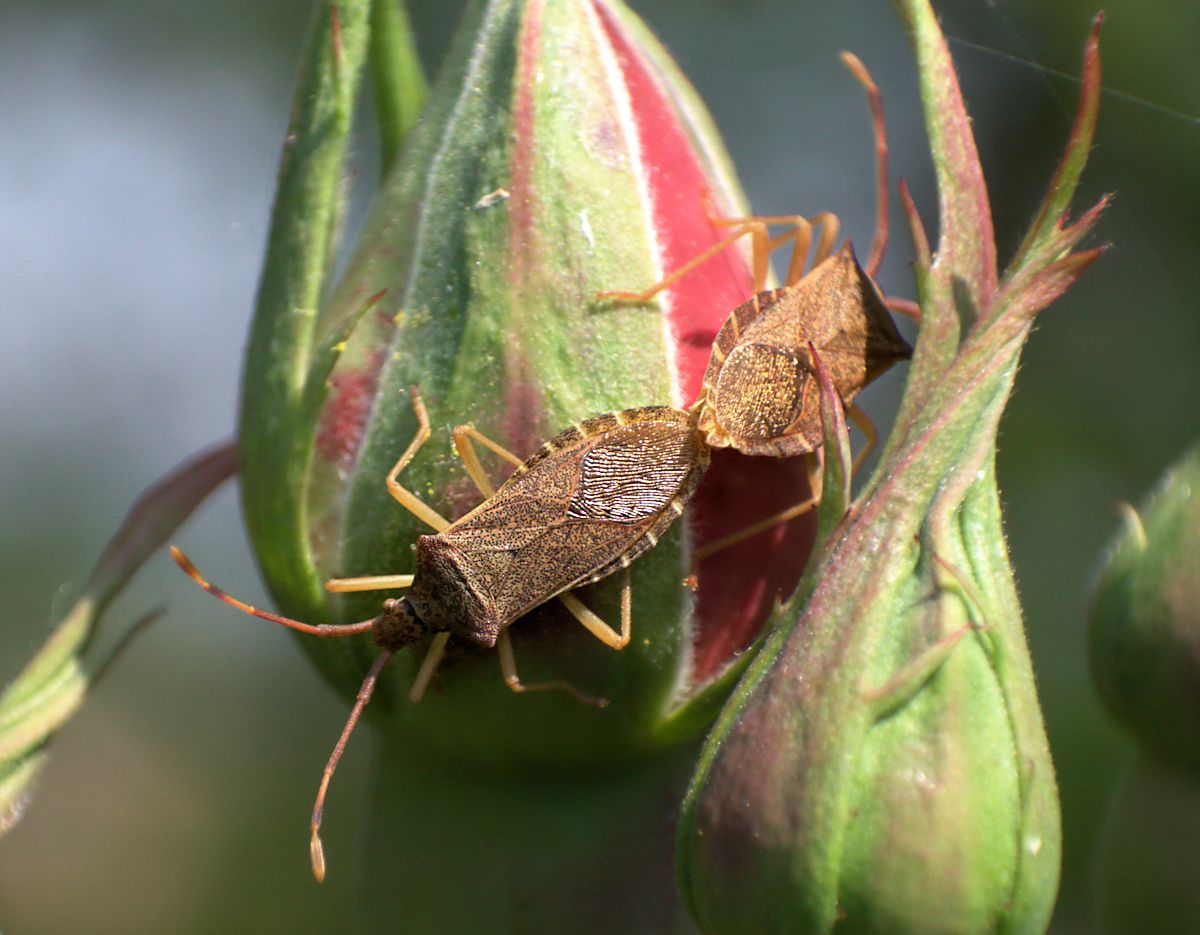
136,173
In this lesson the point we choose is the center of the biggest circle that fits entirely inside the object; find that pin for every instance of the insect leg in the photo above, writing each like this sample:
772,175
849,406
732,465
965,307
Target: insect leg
762,246
596,626
429,665
903,307
463,436
830,227
797,509
864,424
369,583
828,221
508,666
859,70
801,233
758,231
867,427
406,498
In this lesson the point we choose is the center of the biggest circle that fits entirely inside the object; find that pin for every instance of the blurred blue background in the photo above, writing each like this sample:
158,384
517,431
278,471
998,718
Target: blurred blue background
136,175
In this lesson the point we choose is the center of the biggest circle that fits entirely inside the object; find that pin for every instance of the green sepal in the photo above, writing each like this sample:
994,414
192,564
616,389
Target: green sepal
837,467
301,247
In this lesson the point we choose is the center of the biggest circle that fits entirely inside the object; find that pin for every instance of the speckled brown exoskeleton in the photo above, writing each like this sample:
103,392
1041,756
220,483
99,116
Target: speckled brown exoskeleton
585,505
759,393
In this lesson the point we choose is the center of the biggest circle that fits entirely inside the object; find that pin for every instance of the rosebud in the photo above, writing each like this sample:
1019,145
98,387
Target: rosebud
882,765
560,154
1144,650
1144,621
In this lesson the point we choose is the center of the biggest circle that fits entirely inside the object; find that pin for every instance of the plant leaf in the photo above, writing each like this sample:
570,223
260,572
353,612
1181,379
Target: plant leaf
52,686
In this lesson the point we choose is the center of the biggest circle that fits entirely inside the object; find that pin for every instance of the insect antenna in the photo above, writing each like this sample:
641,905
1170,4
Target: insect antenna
875,100
316,850
317,629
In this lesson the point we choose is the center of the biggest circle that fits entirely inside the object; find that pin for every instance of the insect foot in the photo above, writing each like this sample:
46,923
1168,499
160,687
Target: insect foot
882,765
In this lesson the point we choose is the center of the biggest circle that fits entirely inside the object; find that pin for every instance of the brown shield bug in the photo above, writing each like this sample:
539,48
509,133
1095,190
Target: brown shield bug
588,502
601,493
759,393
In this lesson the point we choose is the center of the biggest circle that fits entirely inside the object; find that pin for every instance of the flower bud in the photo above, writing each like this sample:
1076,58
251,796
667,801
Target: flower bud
882,766
1144,620
560,154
